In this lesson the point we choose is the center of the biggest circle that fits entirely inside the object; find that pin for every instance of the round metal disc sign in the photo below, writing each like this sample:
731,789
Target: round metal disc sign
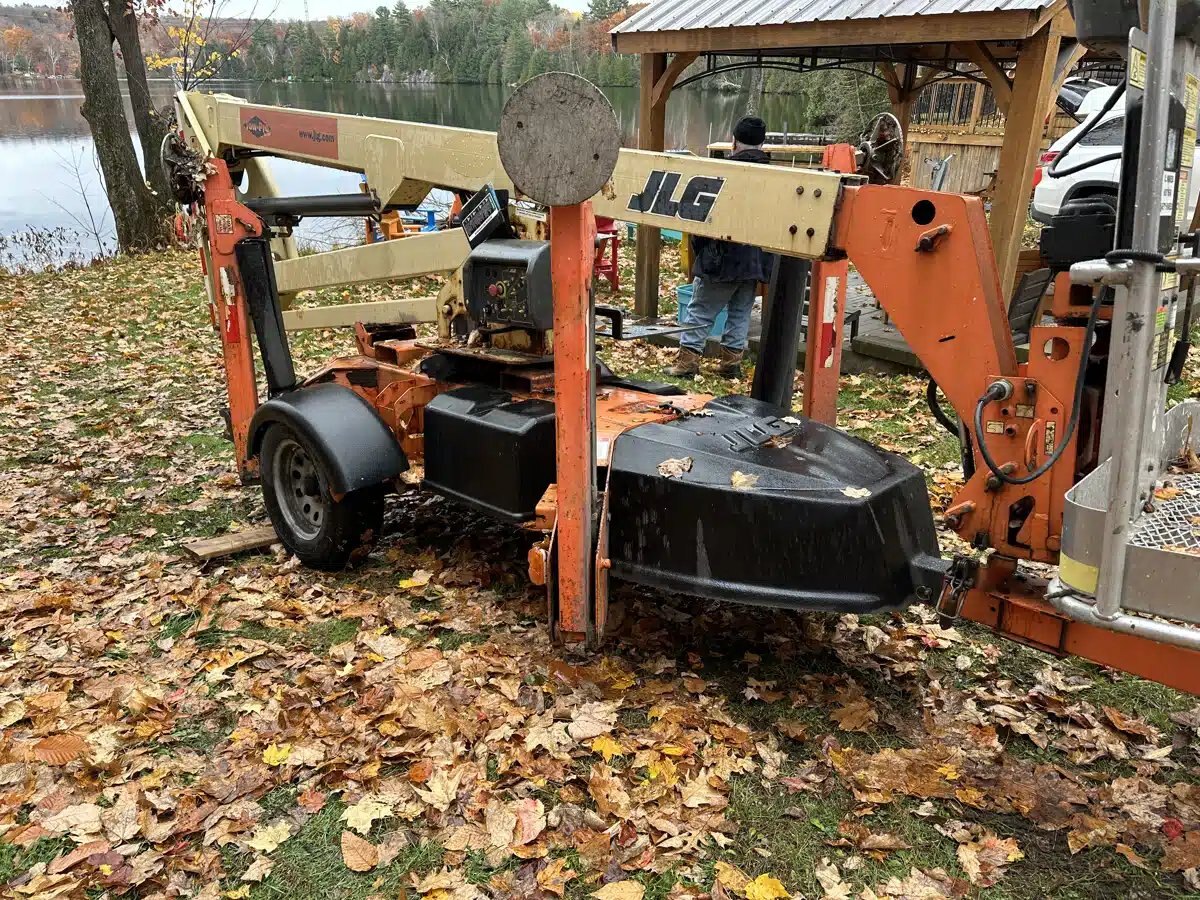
558,139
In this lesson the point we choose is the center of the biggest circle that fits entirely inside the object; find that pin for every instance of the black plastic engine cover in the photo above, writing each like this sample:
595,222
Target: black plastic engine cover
486,449
830,523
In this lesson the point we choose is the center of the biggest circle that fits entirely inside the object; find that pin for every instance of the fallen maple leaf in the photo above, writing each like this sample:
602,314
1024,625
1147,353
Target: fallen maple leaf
59,749
267,838
311,801
831,882
592,720
985,860
698,792
607,747
554,876
673,468
620,890
418,579
766,887
743,482
530,820
442,789
259,869
856,715
731,877
1182,854
277,754
81,822
363,814
359,855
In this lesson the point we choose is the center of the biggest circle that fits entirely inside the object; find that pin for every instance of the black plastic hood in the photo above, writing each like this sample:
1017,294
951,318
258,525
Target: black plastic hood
761,507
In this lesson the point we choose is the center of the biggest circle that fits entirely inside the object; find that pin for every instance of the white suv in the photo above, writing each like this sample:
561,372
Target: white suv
1099,181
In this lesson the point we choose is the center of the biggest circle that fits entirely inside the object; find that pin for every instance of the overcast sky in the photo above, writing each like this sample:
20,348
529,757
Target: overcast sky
294,9
319,9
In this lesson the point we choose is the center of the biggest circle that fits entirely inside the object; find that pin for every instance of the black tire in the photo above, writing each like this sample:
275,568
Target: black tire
324,533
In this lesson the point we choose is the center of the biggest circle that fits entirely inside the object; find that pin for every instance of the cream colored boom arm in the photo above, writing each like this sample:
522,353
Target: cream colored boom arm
784,210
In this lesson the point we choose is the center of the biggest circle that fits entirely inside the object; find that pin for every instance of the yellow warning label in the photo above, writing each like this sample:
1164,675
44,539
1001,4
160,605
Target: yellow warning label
1191,96
1137,68
1170,281
1181,203
1189,146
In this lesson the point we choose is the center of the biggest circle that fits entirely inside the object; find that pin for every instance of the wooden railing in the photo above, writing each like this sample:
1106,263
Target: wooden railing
962,106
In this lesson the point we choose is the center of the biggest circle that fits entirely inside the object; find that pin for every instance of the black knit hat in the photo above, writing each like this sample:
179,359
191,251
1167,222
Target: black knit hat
751,131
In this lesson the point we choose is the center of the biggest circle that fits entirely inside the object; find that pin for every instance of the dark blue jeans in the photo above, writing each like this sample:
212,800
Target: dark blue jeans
708,299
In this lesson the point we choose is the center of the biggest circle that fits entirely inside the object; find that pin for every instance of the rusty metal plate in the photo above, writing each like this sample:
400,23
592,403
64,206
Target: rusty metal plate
558,139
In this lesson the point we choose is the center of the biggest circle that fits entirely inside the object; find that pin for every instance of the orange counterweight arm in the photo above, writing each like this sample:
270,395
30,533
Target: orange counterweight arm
945,299
928,259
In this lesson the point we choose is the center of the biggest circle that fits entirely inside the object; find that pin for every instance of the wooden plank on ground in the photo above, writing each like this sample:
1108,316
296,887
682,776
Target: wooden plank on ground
207,549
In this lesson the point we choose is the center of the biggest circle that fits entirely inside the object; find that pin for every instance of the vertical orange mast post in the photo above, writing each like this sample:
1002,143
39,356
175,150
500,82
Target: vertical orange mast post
826,316
559,140
228,222
572,239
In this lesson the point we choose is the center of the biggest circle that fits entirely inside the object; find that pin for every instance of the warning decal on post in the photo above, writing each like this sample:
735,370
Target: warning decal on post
1167,206
1137,67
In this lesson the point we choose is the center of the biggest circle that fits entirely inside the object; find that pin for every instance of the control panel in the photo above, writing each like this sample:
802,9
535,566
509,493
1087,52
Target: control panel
507,282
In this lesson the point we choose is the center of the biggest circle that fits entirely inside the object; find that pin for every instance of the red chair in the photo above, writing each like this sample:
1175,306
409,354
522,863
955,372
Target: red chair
608,249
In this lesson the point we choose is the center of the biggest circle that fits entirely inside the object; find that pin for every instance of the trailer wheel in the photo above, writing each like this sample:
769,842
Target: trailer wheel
321,531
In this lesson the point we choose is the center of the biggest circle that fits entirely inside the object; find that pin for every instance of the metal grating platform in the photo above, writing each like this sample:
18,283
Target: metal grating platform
1175,523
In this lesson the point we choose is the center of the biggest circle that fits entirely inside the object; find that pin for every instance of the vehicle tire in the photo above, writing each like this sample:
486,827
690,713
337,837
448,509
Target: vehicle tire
323,532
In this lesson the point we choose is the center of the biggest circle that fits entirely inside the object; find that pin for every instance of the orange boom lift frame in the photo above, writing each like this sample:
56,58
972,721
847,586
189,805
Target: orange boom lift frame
926,256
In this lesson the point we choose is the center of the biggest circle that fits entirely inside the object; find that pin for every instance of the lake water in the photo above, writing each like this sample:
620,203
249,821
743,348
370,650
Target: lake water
49,178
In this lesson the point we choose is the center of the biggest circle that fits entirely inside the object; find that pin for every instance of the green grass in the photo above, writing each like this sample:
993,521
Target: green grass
14,860
204,733
329,633
309,864
454,640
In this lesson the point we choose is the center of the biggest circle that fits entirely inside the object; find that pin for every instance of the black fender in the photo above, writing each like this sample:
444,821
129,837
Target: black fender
358,449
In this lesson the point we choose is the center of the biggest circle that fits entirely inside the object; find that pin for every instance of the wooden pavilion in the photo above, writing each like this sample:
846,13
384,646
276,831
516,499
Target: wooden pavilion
1021,49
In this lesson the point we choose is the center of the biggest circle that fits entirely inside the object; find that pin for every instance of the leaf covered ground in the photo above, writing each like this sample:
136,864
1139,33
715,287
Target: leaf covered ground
406,729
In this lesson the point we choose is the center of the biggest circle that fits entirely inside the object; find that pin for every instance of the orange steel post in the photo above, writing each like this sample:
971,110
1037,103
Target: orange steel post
572,241
823,348
826,316
228,222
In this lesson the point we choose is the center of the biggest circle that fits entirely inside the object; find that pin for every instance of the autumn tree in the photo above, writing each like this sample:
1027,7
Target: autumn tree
16,41
599,10
140,200
197,43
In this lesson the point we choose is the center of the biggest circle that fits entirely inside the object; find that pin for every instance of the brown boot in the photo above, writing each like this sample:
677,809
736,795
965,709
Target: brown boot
687,364
729,363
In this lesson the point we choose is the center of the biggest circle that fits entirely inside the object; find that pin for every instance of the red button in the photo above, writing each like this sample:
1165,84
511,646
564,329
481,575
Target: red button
494,290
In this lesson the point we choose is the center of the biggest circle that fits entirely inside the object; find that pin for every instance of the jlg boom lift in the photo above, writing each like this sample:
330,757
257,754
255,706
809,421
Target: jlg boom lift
731,498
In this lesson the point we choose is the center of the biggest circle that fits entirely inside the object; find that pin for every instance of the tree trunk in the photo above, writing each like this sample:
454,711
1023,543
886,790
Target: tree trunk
136,213
151,125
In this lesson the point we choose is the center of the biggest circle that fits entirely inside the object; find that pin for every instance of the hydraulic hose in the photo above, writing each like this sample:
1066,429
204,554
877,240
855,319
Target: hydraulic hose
1054,170
996,392
954,427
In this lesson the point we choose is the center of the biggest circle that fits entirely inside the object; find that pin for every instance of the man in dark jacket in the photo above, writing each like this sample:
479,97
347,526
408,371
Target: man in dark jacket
726,277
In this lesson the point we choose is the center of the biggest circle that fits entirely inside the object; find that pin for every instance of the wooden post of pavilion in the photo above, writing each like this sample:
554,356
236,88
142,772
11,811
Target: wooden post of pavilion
652,121
1032,96
657,80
